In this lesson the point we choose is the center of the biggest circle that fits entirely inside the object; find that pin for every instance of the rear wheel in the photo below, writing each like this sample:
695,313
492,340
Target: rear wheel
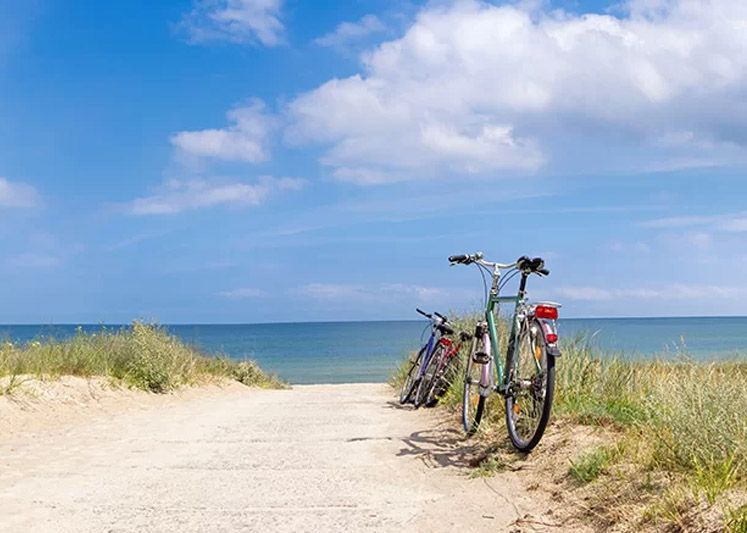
473,403
531,378
426,380
447,375
408,387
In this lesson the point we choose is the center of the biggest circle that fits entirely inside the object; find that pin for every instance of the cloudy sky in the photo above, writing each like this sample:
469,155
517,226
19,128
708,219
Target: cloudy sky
280,160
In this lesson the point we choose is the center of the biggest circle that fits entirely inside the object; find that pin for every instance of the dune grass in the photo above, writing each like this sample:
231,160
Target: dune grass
680,418
143,356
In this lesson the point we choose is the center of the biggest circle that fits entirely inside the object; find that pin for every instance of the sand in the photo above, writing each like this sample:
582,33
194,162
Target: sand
312,458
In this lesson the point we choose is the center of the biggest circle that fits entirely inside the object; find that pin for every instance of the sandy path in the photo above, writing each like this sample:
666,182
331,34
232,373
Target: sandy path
314,458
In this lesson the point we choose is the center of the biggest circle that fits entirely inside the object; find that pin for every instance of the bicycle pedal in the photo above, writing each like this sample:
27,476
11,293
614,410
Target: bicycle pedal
481,358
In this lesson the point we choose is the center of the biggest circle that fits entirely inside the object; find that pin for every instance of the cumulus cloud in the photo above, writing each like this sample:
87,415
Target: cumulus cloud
236,21
177,196
20,195
475,88
244,139
349,32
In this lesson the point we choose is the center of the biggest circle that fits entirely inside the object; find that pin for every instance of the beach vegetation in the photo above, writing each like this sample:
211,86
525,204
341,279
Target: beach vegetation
142,356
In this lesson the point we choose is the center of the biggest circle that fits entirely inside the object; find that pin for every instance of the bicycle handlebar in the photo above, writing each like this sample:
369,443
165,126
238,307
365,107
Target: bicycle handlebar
530,266
442,322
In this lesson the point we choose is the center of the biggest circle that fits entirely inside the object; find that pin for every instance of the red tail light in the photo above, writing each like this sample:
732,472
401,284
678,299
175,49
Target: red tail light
545,311
551,338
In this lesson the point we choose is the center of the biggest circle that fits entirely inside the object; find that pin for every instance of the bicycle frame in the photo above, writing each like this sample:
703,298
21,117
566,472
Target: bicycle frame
491,340
493,377
429,348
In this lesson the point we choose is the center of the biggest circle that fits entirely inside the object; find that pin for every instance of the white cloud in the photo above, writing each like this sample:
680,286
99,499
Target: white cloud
34,260
245,139
18,195
728,222
475,88
629,247
243,293
177,195
348,32
667,293
698,239
382,292
735,224
236,21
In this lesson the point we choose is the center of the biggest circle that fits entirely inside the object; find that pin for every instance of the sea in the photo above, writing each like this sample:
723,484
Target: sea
344,352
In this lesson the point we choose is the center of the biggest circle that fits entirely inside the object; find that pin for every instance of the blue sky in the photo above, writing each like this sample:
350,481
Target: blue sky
268,160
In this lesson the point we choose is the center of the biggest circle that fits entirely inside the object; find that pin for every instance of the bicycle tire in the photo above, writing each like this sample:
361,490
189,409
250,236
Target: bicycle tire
408,386
473,403
443,381
426,379
544,380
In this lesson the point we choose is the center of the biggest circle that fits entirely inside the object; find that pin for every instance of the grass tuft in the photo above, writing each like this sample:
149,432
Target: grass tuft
589,465
737,520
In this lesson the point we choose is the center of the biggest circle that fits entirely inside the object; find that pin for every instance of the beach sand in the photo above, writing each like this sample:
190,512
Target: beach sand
229,458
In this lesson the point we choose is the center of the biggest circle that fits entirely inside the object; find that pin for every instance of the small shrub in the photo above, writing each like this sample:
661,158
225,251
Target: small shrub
247,372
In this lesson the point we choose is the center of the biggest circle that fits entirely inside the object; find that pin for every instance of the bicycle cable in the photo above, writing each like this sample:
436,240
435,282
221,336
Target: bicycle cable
510,275
482,270
422,335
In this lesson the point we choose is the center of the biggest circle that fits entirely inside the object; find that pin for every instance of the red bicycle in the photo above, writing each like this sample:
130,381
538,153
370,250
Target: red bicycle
441,371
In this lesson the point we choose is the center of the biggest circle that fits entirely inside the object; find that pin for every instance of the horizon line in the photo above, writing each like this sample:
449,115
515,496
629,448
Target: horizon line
285,322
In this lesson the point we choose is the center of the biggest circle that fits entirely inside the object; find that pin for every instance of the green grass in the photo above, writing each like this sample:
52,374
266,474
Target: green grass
685,419
692,415
143,357
737,519
589,465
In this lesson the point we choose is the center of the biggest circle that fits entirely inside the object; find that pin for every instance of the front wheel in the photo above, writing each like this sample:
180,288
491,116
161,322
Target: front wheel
429,375
531,383
408,387
473,402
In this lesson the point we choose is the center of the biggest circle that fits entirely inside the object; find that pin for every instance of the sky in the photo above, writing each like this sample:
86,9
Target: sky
242,161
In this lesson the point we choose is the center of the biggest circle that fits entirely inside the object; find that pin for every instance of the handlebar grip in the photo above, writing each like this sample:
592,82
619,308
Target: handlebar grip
426,315
544,272
439,315
458,258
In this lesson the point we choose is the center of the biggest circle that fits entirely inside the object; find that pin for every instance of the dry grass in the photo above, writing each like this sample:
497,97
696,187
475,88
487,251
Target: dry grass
144,357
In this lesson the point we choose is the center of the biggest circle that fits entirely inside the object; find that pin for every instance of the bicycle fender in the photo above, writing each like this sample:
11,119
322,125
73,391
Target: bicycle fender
549,330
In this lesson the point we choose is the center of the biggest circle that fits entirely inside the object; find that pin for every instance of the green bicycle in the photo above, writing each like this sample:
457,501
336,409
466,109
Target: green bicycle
527,379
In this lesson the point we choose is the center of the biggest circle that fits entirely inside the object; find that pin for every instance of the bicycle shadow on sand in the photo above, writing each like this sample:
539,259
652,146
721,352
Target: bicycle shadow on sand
444,446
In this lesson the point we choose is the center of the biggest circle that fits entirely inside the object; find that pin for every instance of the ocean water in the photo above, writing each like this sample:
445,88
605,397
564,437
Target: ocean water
339,352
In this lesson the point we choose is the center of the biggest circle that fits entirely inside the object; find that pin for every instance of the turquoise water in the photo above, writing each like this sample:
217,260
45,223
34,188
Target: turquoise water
338,352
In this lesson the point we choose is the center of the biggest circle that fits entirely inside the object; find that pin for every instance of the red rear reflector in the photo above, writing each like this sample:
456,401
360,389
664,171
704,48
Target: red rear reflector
543,311
551,338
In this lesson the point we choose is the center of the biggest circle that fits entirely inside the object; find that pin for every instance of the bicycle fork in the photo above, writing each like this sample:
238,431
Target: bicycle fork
484,359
